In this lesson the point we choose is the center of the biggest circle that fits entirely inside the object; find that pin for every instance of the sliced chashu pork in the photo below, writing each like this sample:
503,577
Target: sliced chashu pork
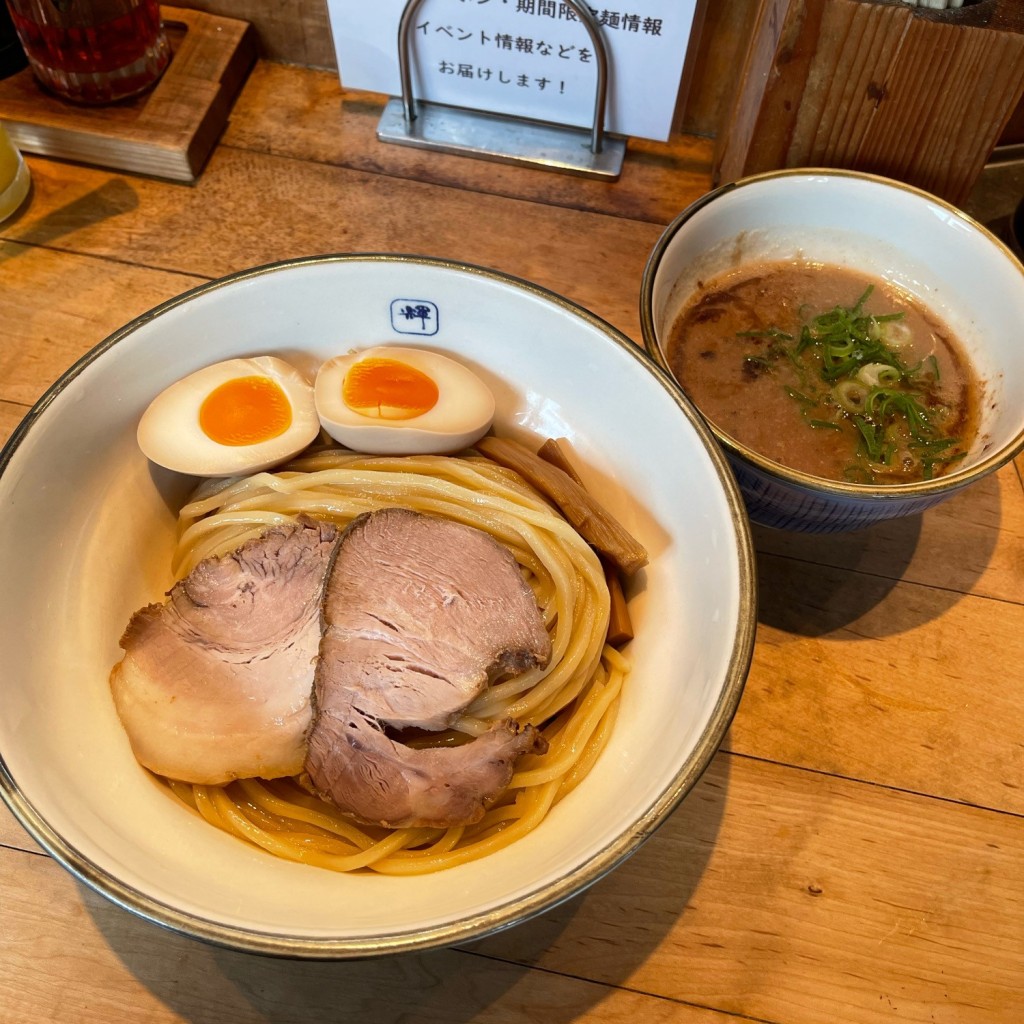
216,683
420,614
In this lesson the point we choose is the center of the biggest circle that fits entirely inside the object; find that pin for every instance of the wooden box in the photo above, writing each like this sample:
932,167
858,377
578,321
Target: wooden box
875,85
167,132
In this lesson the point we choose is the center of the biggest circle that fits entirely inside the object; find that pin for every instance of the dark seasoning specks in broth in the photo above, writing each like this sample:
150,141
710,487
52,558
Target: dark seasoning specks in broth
828,371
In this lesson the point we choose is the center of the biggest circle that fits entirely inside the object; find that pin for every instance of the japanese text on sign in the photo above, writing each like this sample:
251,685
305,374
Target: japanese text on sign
525,58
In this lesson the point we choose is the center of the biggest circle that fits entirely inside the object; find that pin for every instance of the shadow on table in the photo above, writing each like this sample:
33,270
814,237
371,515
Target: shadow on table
815,584
595,940
111,199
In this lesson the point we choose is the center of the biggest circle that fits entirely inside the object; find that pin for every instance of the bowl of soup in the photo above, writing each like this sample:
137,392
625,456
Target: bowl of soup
851,341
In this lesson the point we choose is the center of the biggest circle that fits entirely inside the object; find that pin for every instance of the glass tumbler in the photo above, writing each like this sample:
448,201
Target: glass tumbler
14,176
92,51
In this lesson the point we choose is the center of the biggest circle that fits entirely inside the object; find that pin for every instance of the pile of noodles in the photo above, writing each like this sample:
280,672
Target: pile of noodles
572,701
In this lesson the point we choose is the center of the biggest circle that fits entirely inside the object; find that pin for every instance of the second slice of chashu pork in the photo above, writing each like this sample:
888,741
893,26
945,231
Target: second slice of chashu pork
420,614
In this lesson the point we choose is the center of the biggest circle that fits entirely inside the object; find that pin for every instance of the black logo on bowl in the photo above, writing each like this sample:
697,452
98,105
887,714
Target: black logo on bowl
414,316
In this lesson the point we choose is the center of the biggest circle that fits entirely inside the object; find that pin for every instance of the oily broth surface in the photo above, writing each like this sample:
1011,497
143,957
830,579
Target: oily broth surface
709,358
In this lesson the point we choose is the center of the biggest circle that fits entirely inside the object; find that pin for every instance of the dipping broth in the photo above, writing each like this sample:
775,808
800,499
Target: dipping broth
827,371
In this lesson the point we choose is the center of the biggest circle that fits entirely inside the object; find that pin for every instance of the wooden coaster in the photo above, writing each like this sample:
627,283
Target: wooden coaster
167,132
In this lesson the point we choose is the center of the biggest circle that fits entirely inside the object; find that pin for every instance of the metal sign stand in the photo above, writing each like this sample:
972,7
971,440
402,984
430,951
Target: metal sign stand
489,136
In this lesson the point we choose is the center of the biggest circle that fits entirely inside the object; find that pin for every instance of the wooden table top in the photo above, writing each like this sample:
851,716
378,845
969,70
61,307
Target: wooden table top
855,852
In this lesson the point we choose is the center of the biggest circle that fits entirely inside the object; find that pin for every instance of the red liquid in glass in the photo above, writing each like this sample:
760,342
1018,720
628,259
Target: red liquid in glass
112,58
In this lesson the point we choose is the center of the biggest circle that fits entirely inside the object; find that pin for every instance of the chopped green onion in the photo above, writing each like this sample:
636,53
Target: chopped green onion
851,395
878,448
934,446
876,374
855,354
799,396
769,332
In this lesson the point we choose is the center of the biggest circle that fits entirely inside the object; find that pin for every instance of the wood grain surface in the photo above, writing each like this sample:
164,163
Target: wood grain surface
888,88
855,853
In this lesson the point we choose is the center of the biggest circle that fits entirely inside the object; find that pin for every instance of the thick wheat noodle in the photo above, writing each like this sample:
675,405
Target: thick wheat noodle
573,699
537,803
280,807
561,759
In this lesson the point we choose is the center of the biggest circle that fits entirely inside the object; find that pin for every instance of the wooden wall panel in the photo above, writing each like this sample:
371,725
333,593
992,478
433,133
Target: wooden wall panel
878,87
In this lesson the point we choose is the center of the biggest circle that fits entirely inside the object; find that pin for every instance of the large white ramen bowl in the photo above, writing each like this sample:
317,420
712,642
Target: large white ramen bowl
900,234
87,531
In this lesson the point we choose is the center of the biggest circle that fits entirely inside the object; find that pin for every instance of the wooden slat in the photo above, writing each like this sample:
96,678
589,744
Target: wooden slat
793,897
12,835
249,208
86,299
896,683
305,114
887,88
722,29
972,543
952,91
11,414
71,955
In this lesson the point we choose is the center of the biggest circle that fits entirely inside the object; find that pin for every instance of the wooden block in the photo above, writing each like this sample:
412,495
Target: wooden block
913,94
167,132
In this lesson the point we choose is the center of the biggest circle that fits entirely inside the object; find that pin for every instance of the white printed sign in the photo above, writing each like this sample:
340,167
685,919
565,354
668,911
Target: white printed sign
525,58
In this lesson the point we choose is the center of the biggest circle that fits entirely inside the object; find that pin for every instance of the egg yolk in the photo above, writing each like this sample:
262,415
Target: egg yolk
388,389
245,410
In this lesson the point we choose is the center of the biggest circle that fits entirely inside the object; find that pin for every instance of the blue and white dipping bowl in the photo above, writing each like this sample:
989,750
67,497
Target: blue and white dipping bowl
898,233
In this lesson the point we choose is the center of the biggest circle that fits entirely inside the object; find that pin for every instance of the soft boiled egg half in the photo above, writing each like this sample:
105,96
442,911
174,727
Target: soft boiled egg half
402,401
235,417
